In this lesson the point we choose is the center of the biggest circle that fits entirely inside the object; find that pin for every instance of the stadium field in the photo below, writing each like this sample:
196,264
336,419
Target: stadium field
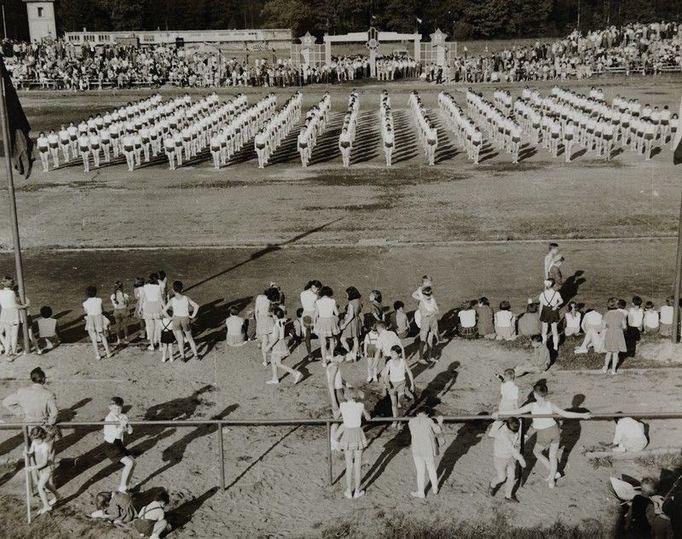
478,230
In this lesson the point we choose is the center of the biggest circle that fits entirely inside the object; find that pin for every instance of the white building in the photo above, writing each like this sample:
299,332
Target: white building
41,21
254,39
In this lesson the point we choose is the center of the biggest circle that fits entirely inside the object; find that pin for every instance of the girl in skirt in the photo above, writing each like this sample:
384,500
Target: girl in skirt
279,349
550,302
152,304
94,321
546,428
326,322
9,317
614,337
351,328
352,440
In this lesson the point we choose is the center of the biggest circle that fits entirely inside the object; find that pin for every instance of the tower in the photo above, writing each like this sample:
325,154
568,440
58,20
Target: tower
41,21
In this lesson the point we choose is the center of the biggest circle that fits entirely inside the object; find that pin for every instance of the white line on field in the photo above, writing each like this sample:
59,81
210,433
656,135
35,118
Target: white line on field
361,244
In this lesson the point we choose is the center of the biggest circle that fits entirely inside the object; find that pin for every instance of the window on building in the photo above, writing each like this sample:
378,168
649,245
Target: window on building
40,12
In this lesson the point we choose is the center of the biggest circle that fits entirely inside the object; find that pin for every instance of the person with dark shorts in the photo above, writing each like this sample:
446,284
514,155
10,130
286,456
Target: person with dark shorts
151,520
114,447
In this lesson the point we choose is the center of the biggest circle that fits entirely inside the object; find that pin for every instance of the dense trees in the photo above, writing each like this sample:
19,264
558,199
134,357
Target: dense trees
461,19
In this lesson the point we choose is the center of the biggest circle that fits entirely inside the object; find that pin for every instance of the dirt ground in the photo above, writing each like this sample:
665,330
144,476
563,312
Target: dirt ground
275,475
225,234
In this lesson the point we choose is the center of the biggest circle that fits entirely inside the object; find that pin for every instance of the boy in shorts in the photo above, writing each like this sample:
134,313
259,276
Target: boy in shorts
114,448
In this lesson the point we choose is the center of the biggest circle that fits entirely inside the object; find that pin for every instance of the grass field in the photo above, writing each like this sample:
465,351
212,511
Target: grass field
476,230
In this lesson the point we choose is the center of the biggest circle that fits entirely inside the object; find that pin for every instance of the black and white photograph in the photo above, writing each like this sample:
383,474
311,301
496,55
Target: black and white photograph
363,269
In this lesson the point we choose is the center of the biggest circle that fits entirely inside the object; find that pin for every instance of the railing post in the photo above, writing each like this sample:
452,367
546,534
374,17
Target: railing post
222,455
329,453
27,475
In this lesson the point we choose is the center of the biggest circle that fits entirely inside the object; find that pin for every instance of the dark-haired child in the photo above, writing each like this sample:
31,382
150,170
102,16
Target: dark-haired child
47,328
95,323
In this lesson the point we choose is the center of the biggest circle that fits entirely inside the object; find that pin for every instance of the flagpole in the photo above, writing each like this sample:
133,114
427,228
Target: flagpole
13,210
676,285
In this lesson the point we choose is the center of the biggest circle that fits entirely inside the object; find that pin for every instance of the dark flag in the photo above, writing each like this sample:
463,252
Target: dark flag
20,144
677,144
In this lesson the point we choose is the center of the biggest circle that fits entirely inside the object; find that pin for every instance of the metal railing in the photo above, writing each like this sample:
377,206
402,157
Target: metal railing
221,424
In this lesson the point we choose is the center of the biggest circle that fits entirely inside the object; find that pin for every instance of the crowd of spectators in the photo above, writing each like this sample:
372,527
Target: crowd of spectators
635,48
644,48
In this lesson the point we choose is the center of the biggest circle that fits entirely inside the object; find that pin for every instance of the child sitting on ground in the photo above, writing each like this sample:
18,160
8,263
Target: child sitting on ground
151,520
467,320
666,317
116,507
47,329
505,323
650,318
235,328
539,360
572,319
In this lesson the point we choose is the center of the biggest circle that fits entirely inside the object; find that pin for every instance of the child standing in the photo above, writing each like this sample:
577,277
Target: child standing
114,447
428,332
506,453
184,311
167,337
94,321
9,317
41,453
614,338
326,322
353,441
370,348
279,349
550,302
121,303
393,378
335,382
401,324
423,432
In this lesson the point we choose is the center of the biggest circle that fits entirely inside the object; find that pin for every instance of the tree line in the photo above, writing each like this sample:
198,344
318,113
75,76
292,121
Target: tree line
460,19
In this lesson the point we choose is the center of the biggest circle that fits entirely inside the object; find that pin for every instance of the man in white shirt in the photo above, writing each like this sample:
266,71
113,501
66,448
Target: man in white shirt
114,448
629,436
